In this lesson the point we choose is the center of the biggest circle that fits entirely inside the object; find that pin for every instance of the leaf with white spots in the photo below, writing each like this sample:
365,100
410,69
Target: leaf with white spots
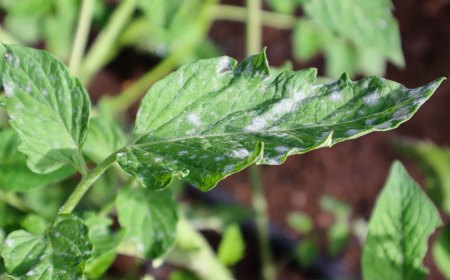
59,254
149,219
47,107
401,223
212,118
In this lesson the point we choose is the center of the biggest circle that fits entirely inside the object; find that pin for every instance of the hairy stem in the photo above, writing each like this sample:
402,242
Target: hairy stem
132,94
85,184
254,45
105,45
269,19
84,25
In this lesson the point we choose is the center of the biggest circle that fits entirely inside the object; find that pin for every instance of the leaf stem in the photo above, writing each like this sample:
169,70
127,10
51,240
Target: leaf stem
86,183
254,45
84,25
105,46
262,223
193,251
132,94
270,19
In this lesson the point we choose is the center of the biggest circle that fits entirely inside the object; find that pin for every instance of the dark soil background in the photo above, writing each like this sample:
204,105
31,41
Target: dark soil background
353,171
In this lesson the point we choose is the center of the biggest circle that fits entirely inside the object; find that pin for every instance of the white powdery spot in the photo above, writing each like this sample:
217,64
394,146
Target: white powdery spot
9,89
218,158
56,234
181,153
385,125
281,149
240,153
278,110
369,122
157,159
336,95
371,99
228,168
223,66
9,243
194,119
30,273
27,89
351,132
400,114
44,92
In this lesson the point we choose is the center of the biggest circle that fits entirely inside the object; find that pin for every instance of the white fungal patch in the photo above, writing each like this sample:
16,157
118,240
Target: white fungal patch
9,89
56,234
157,159
228,168
369,122
336,95
281,149
240,153
385,125
181,153
9,243
44,92
223,66
27,89
278,110
30,273
218,158
372,99
400,114
351,132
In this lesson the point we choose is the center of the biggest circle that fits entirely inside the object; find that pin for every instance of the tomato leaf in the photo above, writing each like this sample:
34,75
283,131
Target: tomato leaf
397,239
47,107
211,118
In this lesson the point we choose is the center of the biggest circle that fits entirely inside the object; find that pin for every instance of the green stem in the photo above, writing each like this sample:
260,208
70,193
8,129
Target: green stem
84,25
270,19
85,184
254,27
193,252
6,37
14,201
254,45
262,223
105,46
132,94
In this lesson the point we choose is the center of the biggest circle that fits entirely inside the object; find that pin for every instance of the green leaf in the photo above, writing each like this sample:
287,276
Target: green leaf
434,163
282,6
211,118
14,173
150,220
105,136
399,228
306,252
300,222
47,107
105,243
308,39
232,246
367,24
60,253
441,252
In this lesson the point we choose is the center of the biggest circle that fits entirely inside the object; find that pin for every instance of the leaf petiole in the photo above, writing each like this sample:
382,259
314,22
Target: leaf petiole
86,183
